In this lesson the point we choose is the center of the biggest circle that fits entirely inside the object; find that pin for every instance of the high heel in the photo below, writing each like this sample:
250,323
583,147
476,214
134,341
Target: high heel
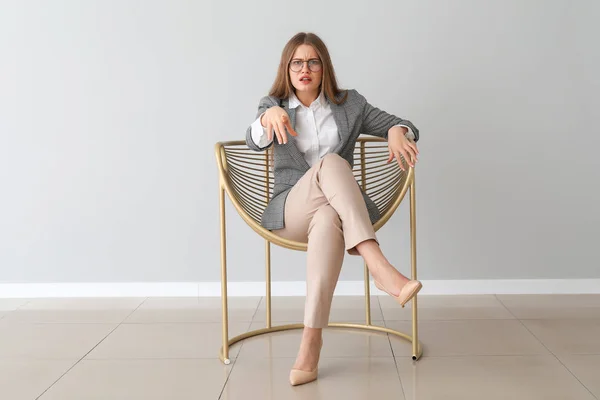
408,291
300,377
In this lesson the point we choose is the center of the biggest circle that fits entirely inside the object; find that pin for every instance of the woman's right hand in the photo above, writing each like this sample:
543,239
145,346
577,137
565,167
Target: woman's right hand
276,119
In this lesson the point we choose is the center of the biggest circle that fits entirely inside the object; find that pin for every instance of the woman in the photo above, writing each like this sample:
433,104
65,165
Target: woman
316,198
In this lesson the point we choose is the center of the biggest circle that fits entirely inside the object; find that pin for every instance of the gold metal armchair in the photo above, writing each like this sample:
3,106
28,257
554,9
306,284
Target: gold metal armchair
247,179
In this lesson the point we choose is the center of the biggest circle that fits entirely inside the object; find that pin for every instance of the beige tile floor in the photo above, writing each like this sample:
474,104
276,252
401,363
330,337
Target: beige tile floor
475,347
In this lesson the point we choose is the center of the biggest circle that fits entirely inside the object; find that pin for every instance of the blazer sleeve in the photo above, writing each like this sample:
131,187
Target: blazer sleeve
377,122
264,104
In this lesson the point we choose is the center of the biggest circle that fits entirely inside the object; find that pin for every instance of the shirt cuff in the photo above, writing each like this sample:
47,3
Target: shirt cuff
410,135
259,133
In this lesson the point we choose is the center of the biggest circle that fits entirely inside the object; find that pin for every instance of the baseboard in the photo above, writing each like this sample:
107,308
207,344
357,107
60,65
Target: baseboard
294,288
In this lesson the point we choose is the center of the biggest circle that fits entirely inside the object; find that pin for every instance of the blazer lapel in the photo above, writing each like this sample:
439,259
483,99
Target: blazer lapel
341,120
291,144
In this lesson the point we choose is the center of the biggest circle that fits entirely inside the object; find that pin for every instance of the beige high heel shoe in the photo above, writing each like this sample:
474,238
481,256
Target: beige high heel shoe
408,291
300,377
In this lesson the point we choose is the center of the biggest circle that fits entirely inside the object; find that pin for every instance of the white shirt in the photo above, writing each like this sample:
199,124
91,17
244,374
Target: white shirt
316,128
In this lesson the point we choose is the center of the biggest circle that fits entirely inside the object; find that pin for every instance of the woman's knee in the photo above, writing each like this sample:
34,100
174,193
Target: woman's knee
326,217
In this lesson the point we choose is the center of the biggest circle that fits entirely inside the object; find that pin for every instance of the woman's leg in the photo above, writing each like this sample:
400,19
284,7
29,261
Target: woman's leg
336,181
324,262
325,256
308,218
380,267
326,208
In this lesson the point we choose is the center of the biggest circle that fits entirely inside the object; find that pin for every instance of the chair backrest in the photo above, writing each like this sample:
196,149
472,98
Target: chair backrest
248,176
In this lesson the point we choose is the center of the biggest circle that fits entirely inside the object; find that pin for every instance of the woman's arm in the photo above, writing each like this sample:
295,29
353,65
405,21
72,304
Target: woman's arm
401,134
255,139
378,123
272,121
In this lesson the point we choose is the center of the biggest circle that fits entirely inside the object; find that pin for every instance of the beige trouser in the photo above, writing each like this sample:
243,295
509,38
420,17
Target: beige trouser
326,208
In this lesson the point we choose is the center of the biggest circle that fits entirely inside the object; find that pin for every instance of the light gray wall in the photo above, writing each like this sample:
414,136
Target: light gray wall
109,111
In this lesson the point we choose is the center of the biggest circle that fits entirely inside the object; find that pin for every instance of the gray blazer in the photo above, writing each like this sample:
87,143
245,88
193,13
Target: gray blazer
353,117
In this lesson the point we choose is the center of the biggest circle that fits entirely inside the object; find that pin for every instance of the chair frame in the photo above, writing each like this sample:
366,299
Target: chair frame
225,186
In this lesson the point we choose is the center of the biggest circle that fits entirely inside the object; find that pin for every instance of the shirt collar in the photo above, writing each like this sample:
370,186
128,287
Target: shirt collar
295,102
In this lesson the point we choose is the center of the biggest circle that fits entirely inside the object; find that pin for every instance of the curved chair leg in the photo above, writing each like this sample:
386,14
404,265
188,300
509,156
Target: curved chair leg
224,354
373,328
268,280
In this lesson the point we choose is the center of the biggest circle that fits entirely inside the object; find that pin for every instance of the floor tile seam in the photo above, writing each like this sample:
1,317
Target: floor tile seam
92,349
453,319
184,322
546,347
323,357
560,319
391,348
76,362
256,309
24,304
70,323
156,358
330,357
4,313
134,310
234,360
532,355
75,310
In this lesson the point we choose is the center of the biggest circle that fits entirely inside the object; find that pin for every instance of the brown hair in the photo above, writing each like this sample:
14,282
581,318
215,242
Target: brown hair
282,87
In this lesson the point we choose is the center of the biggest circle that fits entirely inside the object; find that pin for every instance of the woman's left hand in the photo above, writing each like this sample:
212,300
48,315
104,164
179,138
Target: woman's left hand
398,145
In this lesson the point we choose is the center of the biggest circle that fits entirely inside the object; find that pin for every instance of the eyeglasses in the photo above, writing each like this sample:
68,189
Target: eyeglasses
314,65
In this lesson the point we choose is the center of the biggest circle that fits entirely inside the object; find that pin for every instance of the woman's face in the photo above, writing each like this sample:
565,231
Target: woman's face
306,69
